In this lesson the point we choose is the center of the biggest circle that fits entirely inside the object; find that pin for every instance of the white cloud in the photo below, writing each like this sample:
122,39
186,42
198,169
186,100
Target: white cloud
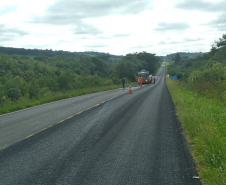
176,26
201,5
113,26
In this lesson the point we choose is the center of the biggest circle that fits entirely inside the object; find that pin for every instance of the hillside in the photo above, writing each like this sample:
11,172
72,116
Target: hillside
183,55
51,53
26,79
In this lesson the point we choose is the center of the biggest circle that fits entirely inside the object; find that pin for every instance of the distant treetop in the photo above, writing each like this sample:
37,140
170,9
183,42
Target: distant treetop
51,53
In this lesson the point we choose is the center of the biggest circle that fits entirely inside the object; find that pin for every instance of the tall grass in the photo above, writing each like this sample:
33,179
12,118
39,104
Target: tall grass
24,102
211,89
204,119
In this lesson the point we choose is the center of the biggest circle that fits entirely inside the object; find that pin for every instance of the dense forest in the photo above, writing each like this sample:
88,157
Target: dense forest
204,72
51,53
24,77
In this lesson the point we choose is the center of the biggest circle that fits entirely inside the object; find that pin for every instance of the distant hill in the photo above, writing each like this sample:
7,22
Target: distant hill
162,58
183,55
51,53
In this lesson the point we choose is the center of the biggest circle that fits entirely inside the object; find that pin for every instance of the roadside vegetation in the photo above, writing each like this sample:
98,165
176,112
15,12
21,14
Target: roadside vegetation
27,81
200,99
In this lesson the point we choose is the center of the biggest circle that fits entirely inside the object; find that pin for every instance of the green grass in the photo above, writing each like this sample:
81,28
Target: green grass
204,120
22,103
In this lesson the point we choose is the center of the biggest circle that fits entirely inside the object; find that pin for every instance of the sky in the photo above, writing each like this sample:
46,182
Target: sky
117,27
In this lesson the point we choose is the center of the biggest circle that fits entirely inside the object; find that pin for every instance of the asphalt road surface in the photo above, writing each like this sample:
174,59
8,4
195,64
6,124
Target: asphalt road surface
123,139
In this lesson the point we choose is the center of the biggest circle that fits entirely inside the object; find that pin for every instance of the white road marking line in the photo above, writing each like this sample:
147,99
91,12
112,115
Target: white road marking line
59,121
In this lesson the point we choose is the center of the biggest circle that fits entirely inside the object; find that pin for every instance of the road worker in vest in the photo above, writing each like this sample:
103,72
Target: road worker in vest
139,80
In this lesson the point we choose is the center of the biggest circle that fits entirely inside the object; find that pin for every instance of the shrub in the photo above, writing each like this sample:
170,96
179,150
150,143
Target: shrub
14,93
33,91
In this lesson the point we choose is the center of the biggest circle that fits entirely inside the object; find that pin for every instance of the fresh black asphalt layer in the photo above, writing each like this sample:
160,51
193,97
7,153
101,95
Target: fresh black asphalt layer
131,139
16,126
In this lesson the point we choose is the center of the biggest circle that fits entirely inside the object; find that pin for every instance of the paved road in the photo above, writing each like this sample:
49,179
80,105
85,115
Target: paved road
131,139
21,124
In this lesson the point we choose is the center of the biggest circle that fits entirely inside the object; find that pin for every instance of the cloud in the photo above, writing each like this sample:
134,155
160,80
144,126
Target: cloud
65,12
121,35
217,25
93,38
219,22
201,5
82,28
103,38
183,41
191,40
10,33
162,42
96,46
8,9
173,42
76,13
142,46
179,26
6,38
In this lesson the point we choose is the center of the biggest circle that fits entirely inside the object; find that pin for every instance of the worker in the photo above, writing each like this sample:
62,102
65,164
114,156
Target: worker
123,82
139,80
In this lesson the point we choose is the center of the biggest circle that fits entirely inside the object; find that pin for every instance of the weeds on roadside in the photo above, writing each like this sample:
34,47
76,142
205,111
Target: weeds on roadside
8,105
203,116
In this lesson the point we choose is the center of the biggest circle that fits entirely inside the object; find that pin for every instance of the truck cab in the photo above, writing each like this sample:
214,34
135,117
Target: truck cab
145,75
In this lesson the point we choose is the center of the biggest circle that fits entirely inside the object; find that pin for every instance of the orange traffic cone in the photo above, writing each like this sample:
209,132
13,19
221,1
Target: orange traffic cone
129,92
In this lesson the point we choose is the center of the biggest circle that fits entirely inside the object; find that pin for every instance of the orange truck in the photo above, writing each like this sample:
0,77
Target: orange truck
146,77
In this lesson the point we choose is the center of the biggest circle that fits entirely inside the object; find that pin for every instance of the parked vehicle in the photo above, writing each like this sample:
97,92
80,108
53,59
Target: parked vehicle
146,77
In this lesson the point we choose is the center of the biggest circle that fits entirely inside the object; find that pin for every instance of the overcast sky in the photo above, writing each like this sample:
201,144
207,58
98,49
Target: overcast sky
113,26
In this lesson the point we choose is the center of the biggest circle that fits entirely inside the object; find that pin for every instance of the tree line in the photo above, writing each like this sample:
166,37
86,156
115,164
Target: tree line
24,77
51,53
204,72
183,55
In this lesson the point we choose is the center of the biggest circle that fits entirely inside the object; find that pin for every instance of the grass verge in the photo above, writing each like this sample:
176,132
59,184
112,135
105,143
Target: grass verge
22,103
204,120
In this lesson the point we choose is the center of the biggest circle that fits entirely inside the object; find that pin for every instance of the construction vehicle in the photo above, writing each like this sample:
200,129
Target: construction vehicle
146,77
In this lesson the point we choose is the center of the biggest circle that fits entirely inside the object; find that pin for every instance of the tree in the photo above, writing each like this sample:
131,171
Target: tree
177,59
131,64
64,81
221,42
14,93
34,90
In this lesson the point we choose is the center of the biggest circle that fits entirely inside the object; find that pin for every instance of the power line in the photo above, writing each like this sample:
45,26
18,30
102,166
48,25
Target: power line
220,30
205,42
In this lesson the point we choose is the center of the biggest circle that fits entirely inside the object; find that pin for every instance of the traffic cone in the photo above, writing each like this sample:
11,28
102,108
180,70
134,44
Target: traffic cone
129,92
